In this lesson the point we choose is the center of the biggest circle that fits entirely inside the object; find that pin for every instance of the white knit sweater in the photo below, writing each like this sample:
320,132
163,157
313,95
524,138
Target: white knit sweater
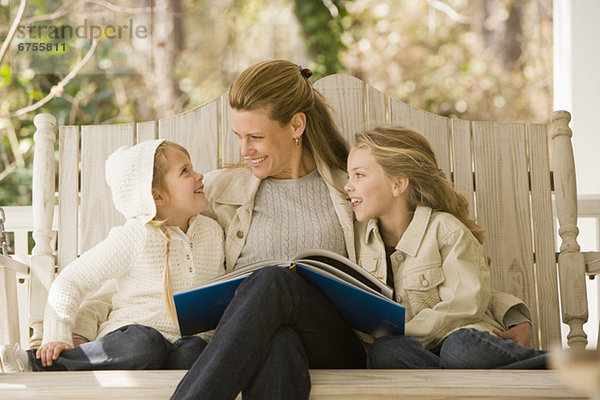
134,255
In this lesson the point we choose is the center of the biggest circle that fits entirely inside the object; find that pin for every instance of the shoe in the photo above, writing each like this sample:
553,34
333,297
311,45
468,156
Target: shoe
13,359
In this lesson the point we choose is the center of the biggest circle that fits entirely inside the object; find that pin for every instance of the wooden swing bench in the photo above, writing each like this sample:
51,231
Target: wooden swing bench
504,170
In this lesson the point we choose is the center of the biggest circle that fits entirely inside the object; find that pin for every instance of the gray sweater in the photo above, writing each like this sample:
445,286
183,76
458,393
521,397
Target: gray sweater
291,215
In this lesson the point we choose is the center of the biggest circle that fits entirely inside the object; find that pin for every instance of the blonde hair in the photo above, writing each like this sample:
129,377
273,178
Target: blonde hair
406,153
279,87
160,169
161,164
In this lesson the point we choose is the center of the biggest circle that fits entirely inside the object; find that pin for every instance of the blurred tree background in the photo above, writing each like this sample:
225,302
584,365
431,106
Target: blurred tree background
478,60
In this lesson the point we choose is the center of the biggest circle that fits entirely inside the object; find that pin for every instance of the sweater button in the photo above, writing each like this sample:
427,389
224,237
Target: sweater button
239,234
188,257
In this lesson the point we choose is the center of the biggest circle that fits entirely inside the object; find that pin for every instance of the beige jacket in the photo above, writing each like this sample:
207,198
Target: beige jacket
231,193
441,276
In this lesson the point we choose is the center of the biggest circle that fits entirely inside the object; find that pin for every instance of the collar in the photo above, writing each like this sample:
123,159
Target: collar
413,236
241,189
175,233
372,230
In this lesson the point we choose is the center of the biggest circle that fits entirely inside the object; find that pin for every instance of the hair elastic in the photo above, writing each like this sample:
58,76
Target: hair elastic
305,72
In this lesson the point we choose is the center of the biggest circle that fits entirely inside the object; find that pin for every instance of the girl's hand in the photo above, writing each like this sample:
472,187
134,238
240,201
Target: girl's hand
520,334
50,352
78,340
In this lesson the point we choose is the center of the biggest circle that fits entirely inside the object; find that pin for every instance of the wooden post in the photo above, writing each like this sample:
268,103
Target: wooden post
571,265
9,307
42,260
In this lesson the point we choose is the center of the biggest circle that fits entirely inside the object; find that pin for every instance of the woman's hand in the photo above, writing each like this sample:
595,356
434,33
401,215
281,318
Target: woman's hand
50,352
520,334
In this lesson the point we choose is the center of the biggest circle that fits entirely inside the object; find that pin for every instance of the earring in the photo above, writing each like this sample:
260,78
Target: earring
297,141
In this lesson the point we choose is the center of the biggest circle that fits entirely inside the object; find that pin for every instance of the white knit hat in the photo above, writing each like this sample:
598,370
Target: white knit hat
129,175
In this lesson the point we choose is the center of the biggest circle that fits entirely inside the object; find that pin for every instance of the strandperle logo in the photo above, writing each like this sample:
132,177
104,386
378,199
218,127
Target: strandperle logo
55,47
86,30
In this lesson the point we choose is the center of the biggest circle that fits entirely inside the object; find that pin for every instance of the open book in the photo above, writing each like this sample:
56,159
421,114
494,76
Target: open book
362,300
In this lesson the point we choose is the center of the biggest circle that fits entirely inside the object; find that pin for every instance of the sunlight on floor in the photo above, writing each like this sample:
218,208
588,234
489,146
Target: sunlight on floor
123,379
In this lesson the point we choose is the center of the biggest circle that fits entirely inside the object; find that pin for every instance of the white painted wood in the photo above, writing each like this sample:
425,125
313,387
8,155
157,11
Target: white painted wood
43,183
42,261
13,265
592,262
462,175
434,127
377,108
19,220
545,257
9,308
502,193
571,265
98,213
326,384
346,96
230,153
145,131
197,131
68,199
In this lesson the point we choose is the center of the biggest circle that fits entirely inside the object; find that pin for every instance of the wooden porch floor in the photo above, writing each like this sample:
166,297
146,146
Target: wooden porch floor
326,384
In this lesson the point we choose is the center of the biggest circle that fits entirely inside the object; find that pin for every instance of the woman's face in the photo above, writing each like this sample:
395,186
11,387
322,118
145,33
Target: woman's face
269,147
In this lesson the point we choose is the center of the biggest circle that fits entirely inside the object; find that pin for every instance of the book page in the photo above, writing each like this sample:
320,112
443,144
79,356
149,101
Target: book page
237,273
348,267
339,275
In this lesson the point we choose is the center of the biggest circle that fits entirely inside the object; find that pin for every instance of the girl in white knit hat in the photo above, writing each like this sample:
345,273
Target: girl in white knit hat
164,246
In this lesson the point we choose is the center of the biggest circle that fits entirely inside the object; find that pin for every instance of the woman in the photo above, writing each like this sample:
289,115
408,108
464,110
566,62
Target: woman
291,198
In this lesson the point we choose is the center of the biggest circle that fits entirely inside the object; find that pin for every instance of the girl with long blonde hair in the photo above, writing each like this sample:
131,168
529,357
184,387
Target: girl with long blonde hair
428,248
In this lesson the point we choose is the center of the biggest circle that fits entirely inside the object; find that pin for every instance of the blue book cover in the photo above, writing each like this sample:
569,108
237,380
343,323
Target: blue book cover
200,310
362,300
363,310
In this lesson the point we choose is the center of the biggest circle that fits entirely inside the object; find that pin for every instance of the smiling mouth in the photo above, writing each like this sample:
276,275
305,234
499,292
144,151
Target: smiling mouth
255,162
356,202
199,190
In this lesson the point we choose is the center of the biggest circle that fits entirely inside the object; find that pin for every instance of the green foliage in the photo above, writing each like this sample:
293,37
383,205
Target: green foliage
406,48
452,66
88,99
322,29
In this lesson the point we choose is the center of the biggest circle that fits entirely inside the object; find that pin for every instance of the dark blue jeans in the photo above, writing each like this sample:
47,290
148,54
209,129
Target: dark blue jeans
276,327
129,347
463,349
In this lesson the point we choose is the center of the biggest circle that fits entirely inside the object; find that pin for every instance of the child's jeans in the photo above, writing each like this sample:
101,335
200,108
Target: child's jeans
463,349
127,348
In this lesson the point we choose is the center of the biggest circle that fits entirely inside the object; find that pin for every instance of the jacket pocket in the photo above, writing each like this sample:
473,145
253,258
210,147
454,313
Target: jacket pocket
369,263
422,288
